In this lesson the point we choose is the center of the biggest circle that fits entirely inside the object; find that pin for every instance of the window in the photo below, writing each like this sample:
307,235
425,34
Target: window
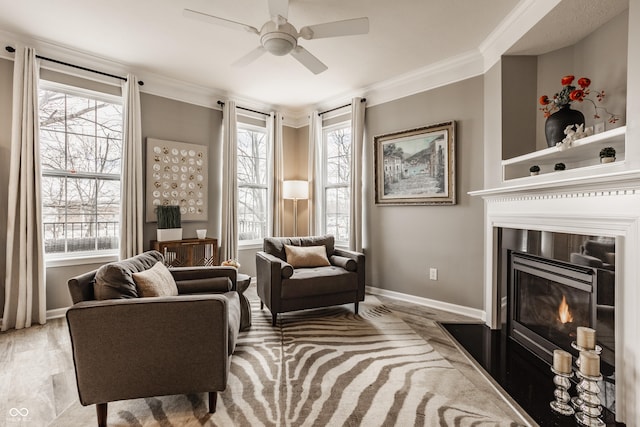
336,185
253,183
80,152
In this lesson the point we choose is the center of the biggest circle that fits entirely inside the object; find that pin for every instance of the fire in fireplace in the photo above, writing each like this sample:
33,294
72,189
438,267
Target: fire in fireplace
564,313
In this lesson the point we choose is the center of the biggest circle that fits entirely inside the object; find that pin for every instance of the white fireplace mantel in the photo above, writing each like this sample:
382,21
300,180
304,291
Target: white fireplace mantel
603,205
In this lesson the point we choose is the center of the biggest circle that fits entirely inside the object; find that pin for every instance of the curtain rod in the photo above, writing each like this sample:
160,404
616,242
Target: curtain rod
12,50
220,103
342,106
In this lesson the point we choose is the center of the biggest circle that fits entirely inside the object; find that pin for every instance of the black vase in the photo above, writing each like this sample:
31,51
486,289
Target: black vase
558,121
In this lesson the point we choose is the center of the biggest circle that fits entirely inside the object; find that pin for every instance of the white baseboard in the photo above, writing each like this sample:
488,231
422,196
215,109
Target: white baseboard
52,314
56,313
440,305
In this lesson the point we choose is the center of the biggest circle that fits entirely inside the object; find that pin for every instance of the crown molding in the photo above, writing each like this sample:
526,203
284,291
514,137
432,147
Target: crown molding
451,70
516,24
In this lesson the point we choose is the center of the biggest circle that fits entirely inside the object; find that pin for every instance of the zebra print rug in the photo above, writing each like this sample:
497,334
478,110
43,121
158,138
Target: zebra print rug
325,367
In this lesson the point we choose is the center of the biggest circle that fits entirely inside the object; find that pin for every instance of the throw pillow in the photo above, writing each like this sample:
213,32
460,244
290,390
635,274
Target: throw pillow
306,256
155,282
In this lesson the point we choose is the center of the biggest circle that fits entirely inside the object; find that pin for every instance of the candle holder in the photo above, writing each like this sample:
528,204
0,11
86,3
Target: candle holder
590,409
561,404
576,401
597,350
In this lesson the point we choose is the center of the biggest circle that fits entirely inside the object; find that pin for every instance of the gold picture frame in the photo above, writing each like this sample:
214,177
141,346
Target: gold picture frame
416,166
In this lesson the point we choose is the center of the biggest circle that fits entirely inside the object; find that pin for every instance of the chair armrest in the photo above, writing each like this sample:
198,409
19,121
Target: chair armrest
198,279
121,346
286,269
360,271
348,264
270,270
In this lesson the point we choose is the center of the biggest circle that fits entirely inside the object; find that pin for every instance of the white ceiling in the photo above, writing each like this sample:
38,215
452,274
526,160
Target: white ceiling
153,36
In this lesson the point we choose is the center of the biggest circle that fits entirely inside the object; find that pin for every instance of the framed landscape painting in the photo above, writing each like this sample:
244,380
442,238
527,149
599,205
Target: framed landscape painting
416,167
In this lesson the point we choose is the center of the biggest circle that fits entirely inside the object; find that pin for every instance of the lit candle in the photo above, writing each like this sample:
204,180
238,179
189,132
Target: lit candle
586,338
589,363
562,361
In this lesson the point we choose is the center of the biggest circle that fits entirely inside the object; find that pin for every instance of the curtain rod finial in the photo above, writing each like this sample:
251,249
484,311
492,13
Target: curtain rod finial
140,82
10,49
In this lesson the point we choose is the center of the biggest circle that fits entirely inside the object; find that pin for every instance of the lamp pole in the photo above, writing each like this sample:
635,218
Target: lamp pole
295,217
294,190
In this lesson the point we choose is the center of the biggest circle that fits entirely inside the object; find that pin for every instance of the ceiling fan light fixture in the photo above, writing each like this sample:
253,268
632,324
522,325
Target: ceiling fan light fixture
278,44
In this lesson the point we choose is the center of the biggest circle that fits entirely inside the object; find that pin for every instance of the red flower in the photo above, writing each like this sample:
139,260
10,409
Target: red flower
566,80
544,100
584,82
577,95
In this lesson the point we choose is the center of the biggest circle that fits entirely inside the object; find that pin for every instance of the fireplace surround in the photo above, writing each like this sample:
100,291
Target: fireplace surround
606,205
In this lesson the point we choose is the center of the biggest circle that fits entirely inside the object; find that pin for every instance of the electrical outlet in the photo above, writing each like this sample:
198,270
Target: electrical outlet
433,273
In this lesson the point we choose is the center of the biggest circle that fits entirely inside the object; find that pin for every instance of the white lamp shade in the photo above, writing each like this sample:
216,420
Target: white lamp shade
295,190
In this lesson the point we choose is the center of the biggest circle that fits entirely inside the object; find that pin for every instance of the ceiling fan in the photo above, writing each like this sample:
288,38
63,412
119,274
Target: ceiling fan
279,37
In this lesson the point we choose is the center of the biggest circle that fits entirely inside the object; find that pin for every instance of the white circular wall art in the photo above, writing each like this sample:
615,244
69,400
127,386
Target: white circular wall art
176,165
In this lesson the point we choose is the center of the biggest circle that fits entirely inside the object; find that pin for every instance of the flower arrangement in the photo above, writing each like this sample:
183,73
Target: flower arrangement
570,93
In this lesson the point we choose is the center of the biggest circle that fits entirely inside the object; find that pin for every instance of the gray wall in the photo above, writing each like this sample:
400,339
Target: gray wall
518,84
402,242
171,120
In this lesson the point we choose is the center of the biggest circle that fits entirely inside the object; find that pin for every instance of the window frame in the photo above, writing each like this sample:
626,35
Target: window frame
326,130
257,243
59,259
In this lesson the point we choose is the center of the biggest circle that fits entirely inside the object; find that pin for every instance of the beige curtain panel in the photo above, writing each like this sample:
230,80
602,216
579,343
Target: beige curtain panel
229,229
25,297
357,146
131,186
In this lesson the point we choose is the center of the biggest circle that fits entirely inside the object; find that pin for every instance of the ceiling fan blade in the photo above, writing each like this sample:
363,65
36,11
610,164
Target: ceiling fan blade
218,21
279,8
308,60
250,57
348,27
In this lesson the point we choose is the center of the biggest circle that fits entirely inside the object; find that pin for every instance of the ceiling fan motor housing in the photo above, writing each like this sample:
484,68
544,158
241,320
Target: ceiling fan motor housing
278,39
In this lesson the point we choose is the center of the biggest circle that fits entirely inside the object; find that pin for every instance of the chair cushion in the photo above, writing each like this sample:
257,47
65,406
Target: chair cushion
115,280
307,282
306,256
155,282
275,245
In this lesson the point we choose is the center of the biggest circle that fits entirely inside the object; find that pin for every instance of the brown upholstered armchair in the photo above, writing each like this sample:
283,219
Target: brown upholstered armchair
127,347
283,287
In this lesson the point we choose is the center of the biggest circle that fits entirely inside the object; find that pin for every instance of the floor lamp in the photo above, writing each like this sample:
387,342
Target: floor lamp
295,190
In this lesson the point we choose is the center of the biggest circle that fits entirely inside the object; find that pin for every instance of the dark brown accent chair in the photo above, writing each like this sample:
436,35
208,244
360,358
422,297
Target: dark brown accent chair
283,288
126,347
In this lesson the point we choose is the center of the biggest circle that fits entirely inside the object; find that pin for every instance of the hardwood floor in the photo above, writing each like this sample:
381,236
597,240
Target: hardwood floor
37,379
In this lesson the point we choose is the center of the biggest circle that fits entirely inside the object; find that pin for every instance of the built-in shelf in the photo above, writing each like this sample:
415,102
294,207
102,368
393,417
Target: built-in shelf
583,153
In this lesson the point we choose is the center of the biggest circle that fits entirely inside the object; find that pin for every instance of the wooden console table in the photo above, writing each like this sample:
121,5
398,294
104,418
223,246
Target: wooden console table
188,252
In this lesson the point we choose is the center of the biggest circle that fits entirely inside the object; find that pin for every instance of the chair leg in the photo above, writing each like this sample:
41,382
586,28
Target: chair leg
101,412
213,399
356,307
274,317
